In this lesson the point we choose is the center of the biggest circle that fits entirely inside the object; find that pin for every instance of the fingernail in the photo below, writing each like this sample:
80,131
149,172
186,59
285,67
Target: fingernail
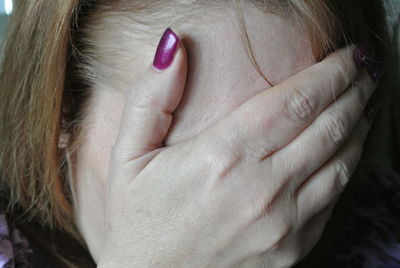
166,50
365,56
376,69
372,107
362,53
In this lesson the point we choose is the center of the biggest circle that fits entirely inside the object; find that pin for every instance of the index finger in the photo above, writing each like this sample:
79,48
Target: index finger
271,119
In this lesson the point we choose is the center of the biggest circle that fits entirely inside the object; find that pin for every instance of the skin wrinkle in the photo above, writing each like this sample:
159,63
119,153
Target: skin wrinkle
37,54
220,78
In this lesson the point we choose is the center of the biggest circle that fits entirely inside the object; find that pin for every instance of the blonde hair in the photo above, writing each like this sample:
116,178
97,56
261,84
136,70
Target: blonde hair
42,48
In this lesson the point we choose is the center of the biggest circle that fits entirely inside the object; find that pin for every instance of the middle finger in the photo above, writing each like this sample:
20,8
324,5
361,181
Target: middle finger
317,143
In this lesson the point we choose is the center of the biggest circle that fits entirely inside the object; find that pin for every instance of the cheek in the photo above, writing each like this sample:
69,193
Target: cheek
101,126
101,130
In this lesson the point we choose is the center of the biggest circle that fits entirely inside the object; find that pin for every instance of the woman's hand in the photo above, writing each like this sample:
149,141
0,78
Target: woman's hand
253,190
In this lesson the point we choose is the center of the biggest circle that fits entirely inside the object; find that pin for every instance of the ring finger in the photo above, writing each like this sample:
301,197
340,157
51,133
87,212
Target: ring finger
316,144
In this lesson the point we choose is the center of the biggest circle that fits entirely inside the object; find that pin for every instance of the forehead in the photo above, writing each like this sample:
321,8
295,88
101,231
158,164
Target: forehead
221,74
120,42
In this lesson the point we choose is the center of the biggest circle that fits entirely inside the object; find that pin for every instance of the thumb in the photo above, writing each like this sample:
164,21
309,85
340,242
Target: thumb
147,114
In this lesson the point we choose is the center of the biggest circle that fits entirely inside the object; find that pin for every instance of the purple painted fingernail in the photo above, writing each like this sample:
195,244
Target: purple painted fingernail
376,69
362,54
366,56
166,50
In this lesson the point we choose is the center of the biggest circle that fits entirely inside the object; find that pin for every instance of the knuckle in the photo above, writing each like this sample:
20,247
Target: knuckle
336,128
300,106
262,205
259,150
218,155
223,147
276,241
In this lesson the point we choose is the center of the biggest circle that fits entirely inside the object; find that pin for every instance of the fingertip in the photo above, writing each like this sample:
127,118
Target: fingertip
181,58
148,110
173,77
342,65
170,50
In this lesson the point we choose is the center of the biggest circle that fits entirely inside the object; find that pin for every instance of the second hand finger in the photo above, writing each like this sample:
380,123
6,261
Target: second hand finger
271,119
316,144
326,184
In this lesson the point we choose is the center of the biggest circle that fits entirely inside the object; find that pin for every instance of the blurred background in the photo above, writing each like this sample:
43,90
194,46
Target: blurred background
5,10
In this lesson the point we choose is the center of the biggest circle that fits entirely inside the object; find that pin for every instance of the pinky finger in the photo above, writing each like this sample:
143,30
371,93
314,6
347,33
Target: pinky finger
324,187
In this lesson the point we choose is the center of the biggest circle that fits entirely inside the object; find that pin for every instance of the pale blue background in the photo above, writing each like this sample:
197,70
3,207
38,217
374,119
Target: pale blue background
2,10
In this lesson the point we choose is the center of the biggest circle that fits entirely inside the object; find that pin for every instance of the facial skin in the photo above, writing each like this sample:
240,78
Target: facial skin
220,77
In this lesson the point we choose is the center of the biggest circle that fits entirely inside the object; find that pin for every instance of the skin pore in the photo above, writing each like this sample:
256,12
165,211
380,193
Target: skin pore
220,78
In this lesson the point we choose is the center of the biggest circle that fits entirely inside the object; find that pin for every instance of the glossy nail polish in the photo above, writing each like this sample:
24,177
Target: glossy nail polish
166,50
362,54
366,56
376,69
